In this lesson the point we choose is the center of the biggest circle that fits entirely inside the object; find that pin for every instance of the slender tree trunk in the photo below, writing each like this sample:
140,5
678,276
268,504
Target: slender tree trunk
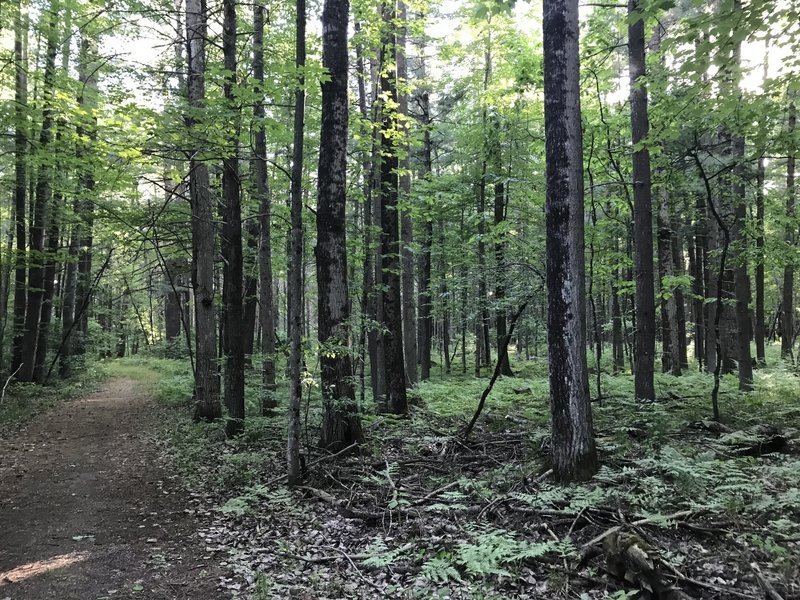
206,376
295,288
250,291
680,304
425,322
406,225
232,236
53,239
573,450
20,178
394,359
642,210
341,424
265,281
760,327
42,200
669,306
787,291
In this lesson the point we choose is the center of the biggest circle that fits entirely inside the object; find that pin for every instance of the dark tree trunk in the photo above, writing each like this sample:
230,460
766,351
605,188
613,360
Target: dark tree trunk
573,450
42,200
341,424
20,178
642,210
394,359
295,286
265,296
250,292
87,75
680,303
425,322
760,327
787,291
406,224
232,237
53,240
206,376
669,305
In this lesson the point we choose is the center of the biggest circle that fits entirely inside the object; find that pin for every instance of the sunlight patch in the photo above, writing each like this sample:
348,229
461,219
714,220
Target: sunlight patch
41,566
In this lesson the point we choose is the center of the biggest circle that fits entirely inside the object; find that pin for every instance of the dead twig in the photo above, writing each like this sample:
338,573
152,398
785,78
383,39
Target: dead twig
314,463
616,528
764,584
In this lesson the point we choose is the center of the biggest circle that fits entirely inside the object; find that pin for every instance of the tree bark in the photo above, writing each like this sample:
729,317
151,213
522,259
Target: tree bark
642,210
41,202
394,358
573,451
669,306
206,376
787,291
295,288
20,178
232,236
341,424
265,281
425,322
406,224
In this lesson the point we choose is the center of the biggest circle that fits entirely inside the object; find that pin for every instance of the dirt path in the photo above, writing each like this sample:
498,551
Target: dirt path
86,513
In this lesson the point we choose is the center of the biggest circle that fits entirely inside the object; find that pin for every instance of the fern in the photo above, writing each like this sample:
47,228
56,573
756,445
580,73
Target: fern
380,555
440,570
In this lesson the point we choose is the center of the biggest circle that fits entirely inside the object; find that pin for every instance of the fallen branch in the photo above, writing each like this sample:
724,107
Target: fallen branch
500,360
769,591
314,463
10,377
645,521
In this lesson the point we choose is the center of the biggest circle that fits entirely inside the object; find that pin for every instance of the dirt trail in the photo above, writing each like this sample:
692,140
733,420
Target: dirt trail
86,513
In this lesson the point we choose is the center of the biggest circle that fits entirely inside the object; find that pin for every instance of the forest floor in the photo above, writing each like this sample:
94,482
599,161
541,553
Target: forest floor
86,511
119,496
682,506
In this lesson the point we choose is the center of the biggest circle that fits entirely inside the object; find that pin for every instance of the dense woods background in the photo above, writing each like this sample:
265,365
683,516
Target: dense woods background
317,209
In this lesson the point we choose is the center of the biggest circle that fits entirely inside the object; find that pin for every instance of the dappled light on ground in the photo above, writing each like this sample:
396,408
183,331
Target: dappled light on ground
38,567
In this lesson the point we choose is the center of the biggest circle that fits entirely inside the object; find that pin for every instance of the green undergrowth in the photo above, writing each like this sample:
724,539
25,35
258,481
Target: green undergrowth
21,401
658,458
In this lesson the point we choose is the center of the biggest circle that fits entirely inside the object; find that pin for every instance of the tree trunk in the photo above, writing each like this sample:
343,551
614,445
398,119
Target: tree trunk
295,289
265,282
341,424
232,236
425,322
787,291
250,291
642,210
206,376
573,450
760,326
394,359
406,225
669,306
42,199
20,178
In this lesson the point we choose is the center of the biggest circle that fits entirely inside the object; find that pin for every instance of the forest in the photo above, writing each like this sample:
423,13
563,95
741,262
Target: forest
474,299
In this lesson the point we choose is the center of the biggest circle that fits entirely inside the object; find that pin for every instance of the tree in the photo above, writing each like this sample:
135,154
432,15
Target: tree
645,340
341,424
232,236
294,300
206,377
20,176
573,451
42,201
394,358
265,297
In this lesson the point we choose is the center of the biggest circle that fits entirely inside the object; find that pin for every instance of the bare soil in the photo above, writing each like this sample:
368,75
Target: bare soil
87,513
